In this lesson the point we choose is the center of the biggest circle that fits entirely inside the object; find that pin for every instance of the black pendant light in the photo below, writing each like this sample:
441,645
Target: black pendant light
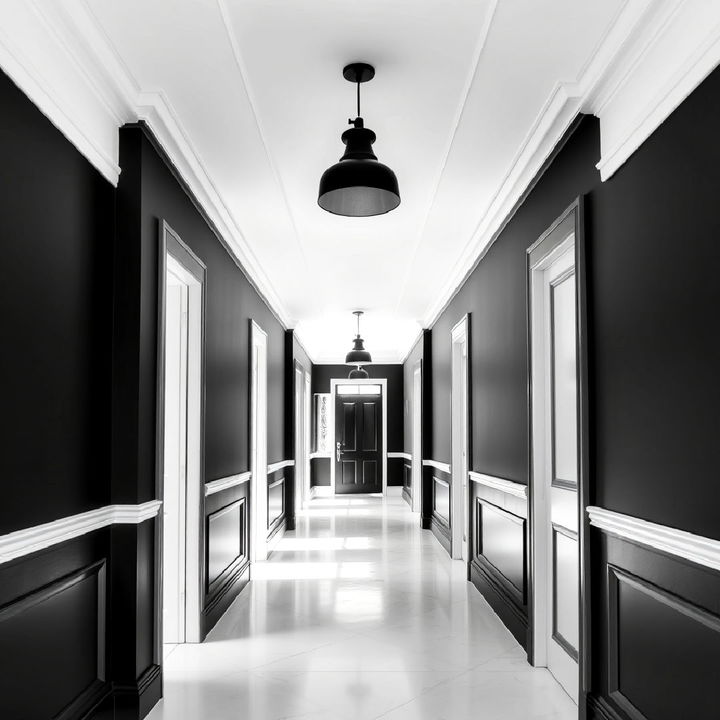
358,185
358,355
358,374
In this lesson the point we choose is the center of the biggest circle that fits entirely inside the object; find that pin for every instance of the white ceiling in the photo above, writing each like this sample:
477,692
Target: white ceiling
257,88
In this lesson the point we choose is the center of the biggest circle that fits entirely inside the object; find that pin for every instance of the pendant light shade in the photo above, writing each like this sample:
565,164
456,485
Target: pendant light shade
358,355
358,185
358,374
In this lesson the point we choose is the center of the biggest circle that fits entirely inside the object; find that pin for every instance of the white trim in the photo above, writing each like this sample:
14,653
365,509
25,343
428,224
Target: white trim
507,486
23,542
314,455
555,262
334,382
258,442
460,440
403,455
394,490
696,548
445,467
416,482
274,467
216,486
673,51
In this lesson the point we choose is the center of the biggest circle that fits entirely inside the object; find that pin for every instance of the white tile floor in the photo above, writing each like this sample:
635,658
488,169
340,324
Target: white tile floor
359,614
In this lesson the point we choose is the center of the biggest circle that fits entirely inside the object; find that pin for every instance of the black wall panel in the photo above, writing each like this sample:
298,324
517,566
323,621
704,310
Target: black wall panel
53,606
655,295
56,235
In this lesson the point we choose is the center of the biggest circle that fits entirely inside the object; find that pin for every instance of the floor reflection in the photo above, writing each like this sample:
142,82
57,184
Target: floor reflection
358,614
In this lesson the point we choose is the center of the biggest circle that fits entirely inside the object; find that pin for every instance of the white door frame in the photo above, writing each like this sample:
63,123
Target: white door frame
416,458
307,420
541,463
460,400
190,270
333,392
258,443
301,492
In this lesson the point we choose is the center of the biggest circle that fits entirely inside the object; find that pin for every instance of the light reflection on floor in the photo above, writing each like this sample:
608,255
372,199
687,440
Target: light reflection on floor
358,614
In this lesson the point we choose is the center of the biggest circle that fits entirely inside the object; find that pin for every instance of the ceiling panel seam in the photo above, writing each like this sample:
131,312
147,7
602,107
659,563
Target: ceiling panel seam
237,55
451,139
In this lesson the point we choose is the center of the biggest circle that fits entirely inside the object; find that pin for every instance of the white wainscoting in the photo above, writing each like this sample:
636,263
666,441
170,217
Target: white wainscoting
445,467
507,486
696,548
23,542
224,483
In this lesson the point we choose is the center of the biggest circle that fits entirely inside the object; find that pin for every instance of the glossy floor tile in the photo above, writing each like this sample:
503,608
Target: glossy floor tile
358,614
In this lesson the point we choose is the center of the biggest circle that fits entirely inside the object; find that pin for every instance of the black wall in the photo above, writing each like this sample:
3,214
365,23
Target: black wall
652,257
56,235
149,192
653,301
79,366
321,376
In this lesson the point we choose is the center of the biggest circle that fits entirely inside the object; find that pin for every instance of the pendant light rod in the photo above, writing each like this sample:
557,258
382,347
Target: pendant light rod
358,313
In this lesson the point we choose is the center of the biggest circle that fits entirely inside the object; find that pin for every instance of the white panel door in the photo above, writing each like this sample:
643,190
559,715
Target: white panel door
561,469
175,459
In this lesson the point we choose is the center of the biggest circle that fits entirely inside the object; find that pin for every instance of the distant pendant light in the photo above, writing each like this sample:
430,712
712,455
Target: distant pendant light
358,355
358,185
358,374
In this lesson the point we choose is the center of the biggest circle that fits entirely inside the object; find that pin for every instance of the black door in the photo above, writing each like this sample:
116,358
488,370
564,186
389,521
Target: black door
358,444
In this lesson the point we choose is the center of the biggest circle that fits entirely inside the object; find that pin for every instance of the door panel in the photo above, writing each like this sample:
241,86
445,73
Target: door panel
561,474
369,436
358,445
564,380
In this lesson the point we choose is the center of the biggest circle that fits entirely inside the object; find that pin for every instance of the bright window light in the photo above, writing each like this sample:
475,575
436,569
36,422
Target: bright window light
360,389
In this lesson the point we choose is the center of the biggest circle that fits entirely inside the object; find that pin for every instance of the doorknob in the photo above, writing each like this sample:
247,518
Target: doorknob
337,450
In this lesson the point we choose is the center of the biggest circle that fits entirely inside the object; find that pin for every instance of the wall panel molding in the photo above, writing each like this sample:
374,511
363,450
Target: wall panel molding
23,542
274,467
507,486
403,455
696,548
444,467
688,629
215,486
86,680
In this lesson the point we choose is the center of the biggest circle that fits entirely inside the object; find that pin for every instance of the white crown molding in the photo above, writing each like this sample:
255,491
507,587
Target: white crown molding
23,542
658,39
39,60
506,486
274,467
445,467
216,486
653,55
696,548
58,54
401,455
677,49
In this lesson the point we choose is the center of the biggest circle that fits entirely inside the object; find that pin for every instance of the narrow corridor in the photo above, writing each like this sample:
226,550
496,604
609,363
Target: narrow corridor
358,614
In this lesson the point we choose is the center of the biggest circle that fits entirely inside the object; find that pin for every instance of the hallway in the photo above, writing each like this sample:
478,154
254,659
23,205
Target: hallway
358,614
